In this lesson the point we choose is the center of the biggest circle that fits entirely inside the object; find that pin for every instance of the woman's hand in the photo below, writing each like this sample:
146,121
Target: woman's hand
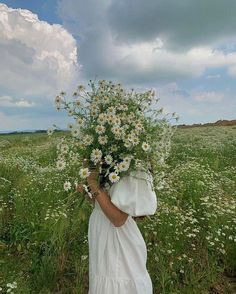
93,177
80,188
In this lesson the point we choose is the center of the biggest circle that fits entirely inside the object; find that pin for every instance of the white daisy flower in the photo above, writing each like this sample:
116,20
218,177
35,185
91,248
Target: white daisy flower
67,186
113,148
127,159
70,126
102,139
58,100
96,155
100,129
96,99
101,118
139,126
87,140
108,159
116,120
81,87
111,110
145,146
70,111
135,140
75,132
80,120
84,172
105,99
94,106
58,107
127,144
60,164
94,112
64,148
116,130
123,166
50,131
110,118
78,103
113,177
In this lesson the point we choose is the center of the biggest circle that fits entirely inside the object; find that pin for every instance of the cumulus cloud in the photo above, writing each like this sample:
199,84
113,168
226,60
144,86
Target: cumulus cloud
145,42
37,58
7,101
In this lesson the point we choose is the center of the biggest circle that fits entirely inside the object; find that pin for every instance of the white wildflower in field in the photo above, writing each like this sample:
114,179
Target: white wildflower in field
81,88
127,144
70,126
113,177
67,186
84,172
145,146
80,120
11,286
117,131
78,103
64,148
100,129
128,159
50,131
116,120
123,166
75,132
70,111
61,164
58,100
105,99
139,126
102,139
58,107
87,140
110,118
102,118
108,159
134,140
111,110
96,155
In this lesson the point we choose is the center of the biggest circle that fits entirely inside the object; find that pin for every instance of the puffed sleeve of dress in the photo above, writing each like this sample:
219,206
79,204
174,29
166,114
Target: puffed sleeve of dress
134,194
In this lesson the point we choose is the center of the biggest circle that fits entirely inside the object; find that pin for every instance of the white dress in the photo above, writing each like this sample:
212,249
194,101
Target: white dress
118,255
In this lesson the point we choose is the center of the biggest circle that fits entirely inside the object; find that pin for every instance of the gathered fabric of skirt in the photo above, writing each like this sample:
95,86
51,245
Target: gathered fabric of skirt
117,257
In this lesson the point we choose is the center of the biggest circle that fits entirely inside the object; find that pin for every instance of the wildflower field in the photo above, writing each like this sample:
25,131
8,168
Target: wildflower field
191,240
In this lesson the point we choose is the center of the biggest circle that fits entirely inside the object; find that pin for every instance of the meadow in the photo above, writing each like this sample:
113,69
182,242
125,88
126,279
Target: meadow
191,240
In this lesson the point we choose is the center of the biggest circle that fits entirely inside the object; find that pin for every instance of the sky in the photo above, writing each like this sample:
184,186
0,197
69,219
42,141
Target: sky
184,50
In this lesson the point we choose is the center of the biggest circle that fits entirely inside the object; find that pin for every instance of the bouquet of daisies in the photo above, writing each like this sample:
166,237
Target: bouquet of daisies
115,130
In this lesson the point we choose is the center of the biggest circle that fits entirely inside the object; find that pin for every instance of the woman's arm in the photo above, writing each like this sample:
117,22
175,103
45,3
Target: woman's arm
114,214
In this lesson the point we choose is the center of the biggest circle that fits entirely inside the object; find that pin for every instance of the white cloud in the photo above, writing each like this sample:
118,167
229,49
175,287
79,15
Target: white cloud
37,58
7,101
182,25
142,59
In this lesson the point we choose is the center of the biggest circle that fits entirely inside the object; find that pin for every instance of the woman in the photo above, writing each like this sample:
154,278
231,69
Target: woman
117,250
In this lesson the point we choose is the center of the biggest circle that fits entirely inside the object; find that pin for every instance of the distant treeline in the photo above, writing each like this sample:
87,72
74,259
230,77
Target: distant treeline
30,132
223,122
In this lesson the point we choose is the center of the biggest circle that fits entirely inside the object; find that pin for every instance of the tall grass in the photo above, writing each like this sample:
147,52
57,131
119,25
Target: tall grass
191,239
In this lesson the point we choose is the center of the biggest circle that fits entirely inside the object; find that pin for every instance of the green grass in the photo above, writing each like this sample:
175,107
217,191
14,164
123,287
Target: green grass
191,239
